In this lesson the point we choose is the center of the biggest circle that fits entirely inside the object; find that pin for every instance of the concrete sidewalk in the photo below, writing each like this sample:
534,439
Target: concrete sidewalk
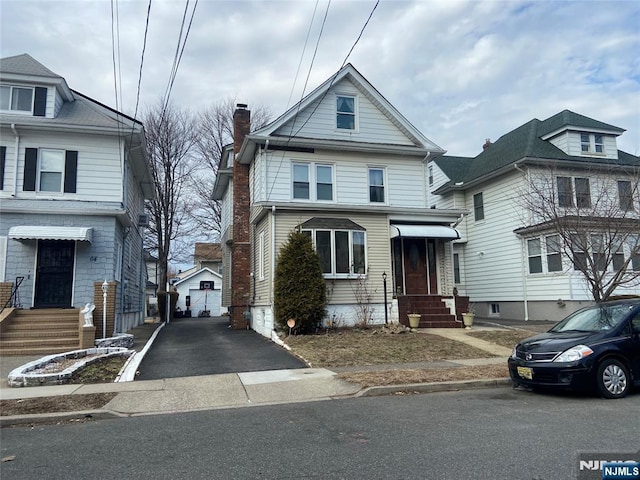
233,390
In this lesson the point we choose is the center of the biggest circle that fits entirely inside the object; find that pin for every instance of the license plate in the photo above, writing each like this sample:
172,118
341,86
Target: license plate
525,372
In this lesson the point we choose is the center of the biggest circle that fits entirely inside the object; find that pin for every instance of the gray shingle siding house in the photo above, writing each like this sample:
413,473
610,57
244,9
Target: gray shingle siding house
73,181
510,262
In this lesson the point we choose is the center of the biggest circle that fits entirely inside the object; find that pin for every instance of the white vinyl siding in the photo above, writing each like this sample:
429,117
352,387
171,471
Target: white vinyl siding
99,174
373,126
405,178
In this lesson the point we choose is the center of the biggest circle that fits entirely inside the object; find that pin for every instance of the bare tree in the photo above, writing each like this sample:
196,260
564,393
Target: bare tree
216,131
591,216
171,137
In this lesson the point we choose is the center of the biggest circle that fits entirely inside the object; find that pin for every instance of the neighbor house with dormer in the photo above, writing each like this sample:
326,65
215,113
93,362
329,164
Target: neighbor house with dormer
544,199
73,181
345,167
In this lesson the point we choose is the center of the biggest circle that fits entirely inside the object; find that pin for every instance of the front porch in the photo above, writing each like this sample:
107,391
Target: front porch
437,311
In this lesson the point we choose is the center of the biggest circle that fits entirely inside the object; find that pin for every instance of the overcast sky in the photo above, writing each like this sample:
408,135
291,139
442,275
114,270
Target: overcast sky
460,71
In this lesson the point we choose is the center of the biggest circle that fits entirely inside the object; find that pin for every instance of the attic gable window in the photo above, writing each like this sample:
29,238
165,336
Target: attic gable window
345,112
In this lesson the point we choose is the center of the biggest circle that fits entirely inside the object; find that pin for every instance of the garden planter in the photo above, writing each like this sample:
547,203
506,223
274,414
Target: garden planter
467,319
414,320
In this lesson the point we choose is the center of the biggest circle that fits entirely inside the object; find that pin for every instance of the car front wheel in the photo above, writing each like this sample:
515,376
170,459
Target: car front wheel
613,379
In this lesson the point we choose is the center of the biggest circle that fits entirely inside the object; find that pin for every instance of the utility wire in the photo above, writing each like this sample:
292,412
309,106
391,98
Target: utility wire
291,136
179,51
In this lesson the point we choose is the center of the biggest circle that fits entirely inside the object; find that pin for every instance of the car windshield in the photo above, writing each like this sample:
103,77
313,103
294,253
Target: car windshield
594,319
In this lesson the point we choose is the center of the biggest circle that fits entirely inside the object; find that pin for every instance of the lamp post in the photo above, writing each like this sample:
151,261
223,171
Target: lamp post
105,289
384,286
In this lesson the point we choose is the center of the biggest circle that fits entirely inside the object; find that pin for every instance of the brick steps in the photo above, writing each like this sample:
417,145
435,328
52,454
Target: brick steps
40,332
433,310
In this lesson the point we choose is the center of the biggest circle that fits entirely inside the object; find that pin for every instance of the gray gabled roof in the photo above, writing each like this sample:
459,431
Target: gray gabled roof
526,143
25,64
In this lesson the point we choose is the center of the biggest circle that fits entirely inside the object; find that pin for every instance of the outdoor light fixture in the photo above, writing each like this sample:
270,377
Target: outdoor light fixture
105,289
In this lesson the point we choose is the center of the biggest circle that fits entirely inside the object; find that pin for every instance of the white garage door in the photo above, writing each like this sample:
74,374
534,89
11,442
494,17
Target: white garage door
200,298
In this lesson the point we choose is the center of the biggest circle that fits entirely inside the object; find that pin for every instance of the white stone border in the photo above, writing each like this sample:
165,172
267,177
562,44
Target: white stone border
23,376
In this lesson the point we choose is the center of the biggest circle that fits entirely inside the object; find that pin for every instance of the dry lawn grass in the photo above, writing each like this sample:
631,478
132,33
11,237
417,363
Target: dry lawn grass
371,347
402,377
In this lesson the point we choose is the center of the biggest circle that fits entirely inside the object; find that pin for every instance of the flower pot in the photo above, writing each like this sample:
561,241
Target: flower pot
467,319
414,320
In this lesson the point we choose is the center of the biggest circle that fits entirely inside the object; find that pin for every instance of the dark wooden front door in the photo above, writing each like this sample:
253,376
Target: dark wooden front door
420,266
415,266
54,274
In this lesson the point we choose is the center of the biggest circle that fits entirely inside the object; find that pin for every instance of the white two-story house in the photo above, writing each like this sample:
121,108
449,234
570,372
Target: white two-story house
73,181
543,199
345,166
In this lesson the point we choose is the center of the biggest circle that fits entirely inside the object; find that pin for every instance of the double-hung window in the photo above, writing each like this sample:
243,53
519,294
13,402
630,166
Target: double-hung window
585,142
549,247
554,255
324,182
345,112
49,170
478,207
565,192
583,193
376,185
312,182
535,255
625,194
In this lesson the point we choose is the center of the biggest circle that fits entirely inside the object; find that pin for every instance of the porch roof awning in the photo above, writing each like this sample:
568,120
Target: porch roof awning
424,231
82,234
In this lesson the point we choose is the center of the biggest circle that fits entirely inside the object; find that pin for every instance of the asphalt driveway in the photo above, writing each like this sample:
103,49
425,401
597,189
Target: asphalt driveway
206,346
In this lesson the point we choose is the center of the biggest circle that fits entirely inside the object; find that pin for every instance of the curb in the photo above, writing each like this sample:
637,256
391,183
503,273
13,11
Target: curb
433,387
40,418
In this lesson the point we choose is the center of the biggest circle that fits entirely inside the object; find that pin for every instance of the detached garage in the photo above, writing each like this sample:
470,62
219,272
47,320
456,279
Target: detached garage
200,291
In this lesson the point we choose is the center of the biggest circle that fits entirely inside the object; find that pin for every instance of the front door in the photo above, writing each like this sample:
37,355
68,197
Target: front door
420,266
54,274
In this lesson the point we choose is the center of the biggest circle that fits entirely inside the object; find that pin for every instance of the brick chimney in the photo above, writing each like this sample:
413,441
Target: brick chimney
487,144
241,248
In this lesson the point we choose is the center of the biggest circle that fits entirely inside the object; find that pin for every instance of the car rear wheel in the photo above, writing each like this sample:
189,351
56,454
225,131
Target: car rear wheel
613,379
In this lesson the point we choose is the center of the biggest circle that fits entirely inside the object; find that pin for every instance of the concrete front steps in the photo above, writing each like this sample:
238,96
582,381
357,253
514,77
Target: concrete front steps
40,332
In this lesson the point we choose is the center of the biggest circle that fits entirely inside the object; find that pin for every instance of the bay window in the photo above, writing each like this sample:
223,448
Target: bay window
341,252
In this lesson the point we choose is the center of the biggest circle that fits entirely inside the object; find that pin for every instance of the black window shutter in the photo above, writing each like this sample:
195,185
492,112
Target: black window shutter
30,163
70,171
40,104
3,153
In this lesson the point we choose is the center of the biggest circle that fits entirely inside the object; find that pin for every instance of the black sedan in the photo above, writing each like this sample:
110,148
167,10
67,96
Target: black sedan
597,347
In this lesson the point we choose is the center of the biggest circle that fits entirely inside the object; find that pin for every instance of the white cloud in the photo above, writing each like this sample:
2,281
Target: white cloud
460,71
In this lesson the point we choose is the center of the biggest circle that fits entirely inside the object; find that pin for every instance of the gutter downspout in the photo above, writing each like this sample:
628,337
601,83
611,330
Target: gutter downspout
273,263
17,150
523,262
425,179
